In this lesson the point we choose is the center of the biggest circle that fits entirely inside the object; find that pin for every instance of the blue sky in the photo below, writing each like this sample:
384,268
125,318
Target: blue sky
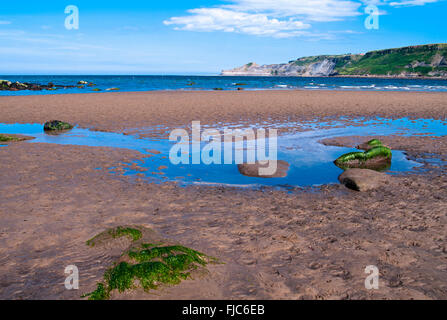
203,36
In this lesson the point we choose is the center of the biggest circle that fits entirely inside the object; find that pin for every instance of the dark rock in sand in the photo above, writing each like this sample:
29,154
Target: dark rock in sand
56,125
363,179
7,138
253,170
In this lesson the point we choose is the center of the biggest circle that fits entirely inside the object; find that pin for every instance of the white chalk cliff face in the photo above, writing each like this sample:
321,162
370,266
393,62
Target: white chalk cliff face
408,62
322,68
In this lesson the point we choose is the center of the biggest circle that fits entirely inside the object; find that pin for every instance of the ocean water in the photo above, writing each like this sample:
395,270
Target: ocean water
151,83
311,162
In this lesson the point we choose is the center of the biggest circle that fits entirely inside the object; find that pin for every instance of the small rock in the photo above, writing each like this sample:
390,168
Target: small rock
56,125
315,265
363,179
254,170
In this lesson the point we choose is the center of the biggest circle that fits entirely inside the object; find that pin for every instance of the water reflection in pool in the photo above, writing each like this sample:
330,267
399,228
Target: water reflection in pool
311,162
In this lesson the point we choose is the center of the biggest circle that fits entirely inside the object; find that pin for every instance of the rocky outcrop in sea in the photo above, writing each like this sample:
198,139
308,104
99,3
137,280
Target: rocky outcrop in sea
321,68
6,85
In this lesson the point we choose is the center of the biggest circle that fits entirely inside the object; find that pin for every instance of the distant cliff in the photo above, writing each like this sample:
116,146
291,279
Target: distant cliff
416,61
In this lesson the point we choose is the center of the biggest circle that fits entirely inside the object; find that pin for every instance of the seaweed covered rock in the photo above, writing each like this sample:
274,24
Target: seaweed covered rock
254,170
56,125
376,158
371,144
7,138
363,179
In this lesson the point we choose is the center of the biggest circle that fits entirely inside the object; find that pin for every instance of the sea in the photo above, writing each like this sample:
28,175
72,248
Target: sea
227,83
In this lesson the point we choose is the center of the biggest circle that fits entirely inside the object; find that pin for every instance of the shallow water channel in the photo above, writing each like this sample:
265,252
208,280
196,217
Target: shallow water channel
311,162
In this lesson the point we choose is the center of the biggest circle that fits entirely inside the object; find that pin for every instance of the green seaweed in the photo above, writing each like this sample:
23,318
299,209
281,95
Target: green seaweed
379,151
99,294
374,143
154,266
118,232
148,254
7,138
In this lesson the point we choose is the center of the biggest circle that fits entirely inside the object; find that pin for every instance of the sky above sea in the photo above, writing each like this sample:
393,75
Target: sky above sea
203,37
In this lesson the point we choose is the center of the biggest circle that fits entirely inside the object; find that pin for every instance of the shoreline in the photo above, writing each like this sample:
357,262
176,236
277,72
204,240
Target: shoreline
223,90
340,76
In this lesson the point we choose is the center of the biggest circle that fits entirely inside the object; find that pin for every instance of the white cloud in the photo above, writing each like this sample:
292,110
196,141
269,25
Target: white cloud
219,19
3,22
399,3
279,18
411,2
276,18
315,10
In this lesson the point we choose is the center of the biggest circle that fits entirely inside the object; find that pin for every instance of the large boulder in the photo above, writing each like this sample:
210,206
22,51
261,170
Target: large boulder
56,125
363,179
376,158
253,170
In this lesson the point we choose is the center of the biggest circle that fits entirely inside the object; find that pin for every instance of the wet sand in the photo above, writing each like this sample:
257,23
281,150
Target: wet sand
129,112
312,243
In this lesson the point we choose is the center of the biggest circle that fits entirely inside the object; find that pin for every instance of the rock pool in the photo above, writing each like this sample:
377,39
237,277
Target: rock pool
311,163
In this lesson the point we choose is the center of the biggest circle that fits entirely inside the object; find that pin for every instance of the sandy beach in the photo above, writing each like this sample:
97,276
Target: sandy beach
132,112
310,243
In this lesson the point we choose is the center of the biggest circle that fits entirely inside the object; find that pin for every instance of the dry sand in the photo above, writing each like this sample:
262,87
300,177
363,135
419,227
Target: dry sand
306,244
